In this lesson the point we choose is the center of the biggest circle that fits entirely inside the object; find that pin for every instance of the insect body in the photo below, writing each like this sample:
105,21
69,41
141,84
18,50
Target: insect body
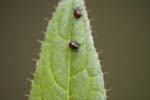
74,45
77,13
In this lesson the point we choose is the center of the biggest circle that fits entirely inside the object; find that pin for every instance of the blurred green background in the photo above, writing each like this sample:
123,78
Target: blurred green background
121,29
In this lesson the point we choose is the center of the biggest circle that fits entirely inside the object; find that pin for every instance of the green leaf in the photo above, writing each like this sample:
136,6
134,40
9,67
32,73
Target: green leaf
63,73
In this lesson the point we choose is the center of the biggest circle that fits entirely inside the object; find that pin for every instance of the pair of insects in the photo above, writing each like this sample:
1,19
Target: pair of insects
73,44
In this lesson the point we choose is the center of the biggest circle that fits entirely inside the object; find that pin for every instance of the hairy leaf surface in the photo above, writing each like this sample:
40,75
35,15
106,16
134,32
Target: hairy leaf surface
63,73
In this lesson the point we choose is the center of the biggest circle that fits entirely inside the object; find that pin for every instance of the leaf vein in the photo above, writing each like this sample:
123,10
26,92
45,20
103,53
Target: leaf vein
52,71
76,74
60,36
69,53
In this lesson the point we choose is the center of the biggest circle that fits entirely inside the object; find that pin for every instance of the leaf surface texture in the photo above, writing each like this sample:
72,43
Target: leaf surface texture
63,73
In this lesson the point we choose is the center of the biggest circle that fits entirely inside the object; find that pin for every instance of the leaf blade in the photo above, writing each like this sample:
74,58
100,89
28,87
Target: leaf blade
64,74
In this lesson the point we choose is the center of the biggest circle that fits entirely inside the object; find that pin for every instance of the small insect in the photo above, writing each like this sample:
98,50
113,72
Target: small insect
74,45
77,13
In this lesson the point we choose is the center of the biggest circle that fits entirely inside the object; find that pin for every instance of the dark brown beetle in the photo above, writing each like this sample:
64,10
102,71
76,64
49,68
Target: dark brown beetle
77,13
74,45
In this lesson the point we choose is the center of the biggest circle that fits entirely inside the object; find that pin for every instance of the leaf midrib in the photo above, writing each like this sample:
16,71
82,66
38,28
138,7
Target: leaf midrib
69,51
